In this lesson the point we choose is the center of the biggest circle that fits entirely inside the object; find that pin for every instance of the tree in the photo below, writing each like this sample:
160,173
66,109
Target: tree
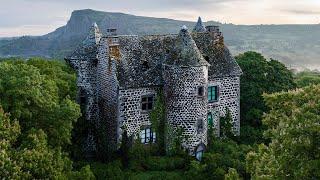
158,120
307,78
293,127
259,76
124,149
34,100
232,175
28,156
217,161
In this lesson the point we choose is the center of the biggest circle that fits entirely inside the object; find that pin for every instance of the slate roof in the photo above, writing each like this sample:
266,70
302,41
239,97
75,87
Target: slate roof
88,48
185,51
199,27
142,57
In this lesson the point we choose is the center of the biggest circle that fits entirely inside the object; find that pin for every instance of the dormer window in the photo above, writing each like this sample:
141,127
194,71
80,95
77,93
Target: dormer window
147,103
213,93
200,91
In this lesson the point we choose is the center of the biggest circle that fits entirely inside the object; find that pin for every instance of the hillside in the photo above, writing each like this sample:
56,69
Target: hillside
295,45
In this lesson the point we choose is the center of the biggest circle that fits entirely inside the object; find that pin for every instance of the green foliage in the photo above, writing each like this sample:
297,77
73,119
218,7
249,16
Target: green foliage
124,149
259,76
60,73
158,120
293,127
157,163
306,78
85,173
111,170
34,100
174,142
222,155
232,175
37,94
226,125
28,156
167,175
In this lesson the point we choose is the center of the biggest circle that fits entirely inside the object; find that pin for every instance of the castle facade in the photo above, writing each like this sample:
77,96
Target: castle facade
120,76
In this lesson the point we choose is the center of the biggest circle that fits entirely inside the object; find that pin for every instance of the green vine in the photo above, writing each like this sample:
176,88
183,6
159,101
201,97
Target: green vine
158,120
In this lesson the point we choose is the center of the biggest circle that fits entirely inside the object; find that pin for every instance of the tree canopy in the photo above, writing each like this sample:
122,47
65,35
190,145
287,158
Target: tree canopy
34,97
259,76
38,96
294,129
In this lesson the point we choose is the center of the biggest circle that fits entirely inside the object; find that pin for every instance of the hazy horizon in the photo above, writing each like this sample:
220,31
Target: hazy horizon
38,17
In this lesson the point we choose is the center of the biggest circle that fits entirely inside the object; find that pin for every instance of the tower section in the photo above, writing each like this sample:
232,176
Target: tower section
185,75
84,61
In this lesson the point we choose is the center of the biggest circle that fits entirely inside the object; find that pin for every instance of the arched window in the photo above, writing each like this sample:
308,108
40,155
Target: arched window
147,136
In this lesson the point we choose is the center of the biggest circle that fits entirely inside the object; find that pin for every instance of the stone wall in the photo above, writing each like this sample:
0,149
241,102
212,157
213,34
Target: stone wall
86,82
107,96
131,116
229,97
184,107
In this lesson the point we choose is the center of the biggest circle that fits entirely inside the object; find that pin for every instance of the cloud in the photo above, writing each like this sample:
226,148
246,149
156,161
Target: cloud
38,17
302,12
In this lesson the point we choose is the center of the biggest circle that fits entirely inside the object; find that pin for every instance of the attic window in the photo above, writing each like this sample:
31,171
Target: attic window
206,58
201,91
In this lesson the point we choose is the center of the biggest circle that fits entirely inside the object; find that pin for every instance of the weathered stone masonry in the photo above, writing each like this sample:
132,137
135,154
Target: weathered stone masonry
115,73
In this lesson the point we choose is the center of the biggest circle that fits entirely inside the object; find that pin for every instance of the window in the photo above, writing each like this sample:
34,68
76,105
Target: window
199,155
147,136
147,103
201,91
199,126
206,58
199,152
212,93
210,119
145,64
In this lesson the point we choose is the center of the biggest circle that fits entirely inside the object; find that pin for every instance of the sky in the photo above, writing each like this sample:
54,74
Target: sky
38,17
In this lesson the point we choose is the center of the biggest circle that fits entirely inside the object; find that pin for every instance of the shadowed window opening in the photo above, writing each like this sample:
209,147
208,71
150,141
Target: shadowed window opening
147,103
199,126
201,91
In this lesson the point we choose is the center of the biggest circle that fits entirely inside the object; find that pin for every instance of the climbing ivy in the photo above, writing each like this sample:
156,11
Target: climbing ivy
226,125
158,120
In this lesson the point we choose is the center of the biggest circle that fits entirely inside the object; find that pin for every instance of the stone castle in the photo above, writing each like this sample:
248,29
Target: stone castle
119,77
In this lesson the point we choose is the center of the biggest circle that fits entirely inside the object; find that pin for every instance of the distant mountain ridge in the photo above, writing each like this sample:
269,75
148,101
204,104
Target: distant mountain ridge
295,45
